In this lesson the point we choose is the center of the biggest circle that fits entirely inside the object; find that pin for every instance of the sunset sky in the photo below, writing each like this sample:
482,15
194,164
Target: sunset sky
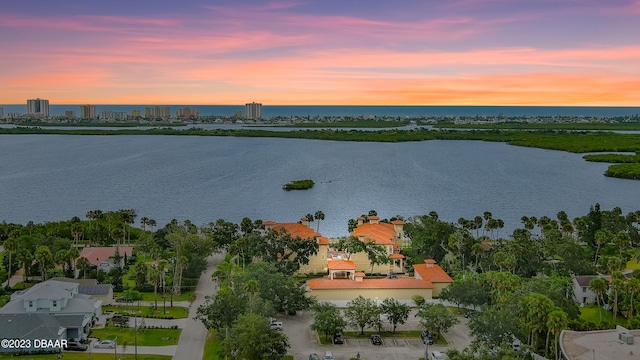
334,52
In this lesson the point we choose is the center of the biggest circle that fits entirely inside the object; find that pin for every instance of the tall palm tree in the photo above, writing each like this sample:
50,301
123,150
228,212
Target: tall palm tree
152,223
617,286
556,322
319,215
60,258
83,264
601,237
10,246
144,222
73,254
599,286
155,276
309,218
633,285
77,231
44,257
25,257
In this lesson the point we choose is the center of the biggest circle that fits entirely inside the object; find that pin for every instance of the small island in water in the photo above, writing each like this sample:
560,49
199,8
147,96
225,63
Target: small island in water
298,185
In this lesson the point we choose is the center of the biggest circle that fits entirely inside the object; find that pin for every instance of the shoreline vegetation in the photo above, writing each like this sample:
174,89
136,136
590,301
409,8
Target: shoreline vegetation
570,141
628,126
298,185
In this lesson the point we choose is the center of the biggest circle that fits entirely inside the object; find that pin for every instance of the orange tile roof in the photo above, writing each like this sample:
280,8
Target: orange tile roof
401,283
323,241
97,254
381,233
398,222
296,230
341,265
433,274
396,256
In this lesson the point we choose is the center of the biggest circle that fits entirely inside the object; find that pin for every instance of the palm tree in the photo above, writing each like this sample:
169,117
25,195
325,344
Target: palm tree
25,257
73,254
309,218
77,231
144,222
155,276
319,215
152,223
633,285
10,246
61,257
599,286
617,285
601,237
556,322
83,264
44,257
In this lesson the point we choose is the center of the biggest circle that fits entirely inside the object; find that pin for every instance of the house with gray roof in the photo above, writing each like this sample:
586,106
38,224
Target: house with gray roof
582,294
58,304
31,327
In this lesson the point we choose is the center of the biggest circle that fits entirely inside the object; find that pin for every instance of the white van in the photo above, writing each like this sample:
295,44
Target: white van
436,355
328,355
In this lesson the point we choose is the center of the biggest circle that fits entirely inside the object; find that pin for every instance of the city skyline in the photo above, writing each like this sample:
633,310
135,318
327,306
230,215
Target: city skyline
459,52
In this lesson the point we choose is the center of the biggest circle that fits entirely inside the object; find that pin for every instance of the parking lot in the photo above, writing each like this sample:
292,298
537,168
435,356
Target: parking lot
304,341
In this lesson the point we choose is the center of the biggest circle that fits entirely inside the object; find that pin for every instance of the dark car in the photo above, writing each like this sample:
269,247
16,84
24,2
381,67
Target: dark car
314,357
338,339
76,346
469,314
376,340
426,337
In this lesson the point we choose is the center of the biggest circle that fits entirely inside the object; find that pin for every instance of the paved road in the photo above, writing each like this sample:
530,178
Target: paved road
194,334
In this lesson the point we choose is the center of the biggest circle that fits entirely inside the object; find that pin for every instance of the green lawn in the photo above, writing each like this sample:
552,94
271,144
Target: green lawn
633,264
148,296
86,355
146,337
591,313
176,312
211,347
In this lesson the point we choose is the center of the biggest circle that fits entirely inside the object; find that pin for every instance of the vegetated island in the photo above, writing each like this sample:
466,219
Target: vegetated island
625,166
515,125
571,141
298,185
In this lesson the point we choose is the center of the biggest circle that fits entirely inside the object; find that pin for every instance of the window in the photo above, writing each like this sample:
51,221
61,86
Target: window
30,303
584,289
55,303
323,257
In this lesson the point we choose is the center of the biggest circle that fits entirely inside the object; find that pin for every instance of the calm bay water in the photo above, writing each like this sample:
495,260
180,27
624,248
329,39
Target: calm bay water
55,177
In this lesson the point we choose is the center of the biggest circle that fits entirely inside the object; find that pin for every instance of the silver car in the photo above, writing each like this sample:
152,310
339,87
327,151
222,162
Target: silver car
105,344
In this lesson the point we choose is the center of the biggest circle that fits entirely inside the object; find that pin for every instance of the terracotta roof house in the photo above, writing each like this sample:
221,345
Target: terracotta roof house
390,235
432,272
103,257
318,262
400,287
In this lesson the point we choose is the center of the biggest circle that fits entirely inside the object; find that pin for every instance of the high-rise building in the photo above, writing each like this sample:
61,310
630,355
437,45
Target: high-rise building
88,112
38,107
237,114
187,113
253,110
157,112
135,114
69,114
1,112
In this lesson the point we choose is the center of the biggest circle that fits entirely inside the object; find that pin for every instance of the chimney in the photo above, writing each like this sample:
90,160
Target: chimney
304,221
360,220
374,219
359,276
398,227
430,263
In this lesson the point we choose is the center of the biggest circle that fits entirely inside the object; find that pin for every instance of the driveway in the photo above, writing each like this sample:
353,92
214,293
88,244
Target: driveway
194,334
304,342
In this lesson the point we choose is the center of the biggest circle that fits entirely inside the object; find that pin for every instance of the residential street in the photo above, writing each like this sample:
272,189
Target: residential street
194,334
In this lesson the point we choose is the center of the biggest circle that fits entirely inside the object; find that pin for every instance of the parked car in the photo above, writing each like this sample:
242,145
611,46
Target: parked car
328,355
105,344
426,337
75,346
314,357
436,355
275,324
376,340
470,314
338,339
120,320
